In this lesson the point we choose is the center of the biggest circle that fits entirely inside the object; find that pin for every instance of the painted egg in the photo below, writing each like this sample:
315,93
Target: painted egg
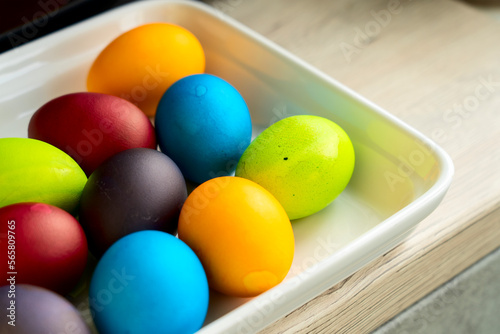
138,189
149,282
142,63
304,161
31,309
204,125
91,127
43,244
34,171
241,234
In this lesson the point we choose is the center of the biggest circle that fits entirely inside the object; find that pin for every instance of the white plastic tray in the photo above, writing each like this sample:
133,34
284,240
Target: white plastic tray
400,176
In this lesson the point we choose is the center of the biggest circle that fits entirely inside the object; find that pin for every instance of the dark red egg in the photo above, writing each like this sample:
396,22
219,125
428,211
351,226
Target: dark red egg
91,127
42,245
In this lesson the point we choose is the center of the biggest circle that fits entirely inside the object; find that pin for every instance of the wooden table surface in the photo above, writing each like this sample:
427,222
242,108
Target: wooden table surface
436,65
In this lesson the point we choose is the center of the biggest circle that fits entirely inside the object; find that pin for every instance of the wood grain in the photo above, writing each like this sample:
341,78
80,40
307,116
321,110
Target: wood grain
435,65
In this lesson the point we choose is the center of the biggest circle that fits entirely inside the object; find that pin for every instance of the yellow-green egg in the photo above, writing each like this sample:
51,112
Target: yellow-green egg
304,161
34,171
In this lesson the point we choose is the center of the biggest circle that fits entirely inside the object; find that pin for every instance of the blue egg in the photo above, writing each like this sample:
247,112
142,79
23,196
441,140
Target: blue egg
149,282
203,124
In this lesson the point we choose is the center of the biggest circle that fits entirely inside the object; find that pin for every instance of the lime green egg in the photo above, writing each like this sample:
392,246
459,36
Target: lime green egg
34,171
304,161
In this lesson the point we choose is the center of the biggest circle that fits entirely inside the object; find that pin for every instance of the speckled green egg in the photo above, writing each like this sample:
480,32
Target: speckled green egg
34,171
304,161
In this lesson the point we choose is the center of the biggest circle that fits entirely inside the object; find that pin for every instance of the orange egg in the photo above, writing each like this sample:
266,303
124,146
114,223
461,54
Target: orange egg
141,64
241,234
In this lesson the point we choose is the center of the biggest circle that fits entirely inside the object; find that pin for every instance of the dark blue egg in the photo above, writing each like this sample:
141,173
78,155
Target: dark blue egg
203,124
149,282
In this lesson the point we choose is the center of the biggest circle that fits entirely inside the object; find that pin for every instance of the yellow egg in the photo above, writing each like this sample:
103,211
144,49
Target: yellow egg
304,161
241,234
141,64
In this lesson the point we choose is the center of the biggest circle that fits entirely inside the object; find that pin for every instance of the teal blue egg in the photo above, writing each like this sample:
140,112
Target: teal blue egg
149,282
203,124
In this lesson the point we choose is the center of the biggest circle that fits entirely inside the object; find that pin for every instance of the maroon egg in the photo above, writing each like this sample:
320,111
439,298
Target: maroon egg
138,189
43,245
91,127
30,309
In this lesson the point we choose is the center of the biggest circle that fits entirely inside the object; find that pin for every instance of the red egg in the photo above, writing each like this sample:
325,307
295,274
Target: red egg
91,127
42,245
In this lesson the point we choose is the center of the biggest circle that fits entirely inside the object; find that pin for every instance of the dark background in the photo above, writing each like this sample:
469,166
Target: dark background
22,21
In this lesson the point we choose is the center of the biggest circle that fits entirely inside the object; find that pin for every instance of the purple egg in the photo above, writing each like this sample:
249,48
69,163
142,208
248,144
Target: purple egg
134,190
31,309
